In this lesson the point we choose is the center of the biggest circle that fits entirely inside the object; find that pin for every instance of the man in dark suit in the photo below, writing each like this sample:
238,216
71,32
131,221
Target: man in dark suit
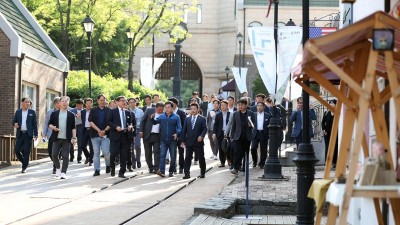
297,118
121,122
150,133
79,128
231,102
148,104
260,135
85,138
221,121
243,122
182,117
98,134
62,122
25,122
194,131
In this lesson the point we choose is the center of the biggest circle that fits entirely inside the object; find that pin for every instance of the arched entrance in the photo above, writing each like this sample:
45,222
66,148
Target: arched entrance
190,69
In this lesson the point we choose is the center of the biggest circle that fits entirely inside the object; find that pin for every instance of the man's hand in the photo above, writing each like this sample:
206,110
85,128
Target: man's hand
73,141
200,139
299,107
325,133
183,145
102,133
152,116
118,128
16,125
130,128
175,136
214,137
55,128
141,134
78,115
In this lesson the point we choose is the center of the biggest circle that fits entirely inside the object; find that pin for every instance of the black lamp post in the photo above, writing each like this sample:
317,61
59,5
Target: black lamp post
130,34
288,138
176,90
88,24
273,167
305,159
239,37
227,77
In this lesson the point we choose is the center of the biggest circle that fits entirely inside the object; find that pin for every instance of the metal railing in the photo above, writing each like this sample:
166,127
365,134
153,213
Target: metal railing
7,145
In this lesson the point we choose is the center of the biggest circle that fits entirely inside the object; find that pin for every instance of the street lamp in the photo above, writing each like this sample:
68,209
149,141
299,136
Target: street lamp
176,90
130,34
88,24
227,77
288,138
239,37
305,159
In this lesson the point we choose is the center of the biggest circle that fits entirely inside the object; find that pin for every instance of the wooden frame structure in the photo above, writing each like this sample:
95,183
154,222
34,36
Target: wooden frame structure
347,56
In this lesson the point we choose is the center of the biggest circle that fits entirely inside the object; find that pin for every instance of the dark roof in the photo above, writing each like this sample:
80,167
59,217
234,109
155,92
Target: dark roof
230,86
21,25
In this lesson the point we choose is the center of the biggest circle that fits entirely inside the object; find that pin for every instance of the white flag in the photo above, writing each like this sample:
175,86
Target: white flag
240,78
146,77
263,46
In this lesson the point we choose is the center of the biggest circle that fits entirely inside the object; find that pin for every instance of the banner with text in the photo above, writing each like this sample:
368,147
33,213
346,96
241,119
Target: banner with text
240,78
263,46
147,78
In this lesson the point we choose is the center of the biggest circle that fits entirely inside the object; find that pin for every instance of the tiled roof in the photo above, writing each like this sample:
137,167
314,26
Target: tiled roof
21,25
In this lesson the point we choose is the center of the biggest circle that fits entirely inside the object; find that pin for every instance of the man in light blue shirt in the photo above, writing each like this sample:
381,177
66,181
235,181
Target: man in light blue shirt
133,103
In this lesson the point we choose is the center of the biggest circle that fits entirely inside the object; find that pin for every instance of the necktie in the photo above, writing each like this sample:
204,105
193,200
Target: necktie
123,119
193,122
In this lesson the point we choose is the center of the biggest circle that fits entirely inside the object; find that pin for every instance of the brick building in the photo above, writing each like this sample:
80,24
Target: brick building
31,65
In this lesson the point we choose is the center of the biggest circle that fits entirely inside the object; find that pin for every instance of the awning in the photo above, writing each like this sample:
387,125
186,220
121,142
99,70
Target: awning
230,86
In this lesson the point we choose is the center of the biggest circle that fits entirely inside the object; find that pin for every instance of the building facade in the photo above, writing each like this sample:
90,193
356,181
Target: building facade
213,44
31,65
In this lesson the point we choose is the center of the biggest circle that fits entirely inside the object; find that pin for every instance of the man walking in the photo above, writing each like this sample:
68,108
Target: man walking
221,121
98,134
241,132
25,122
46,133
260,135
62,122
136,150
193,134
182,117
210,127
85,139
297,118
150,133
79,127
121,123
170,129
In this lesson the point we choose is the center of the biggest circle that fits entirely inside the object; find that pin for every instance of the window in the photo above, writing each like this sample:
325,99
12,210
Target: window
50,95
185,13
29,90
199,11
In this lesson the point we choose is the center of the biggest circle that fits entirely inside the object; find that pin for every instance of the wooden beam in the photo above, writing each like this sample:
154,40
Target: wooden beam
334,68
393,82
316,96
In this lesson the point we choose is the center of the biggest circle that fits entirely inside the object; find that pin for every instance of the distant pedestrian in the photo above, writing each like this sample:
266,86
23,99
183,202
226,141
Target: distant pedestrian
193,134
260,135
327,123
137,149
78,124
182,117
62,122
25,122
221,122
297,119
46,133
204,105
85,138
210,127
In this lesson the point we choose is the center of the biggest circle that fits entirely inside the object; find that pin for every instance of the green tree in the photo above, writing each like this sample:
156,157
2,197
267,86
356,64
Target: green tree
258,86
187,88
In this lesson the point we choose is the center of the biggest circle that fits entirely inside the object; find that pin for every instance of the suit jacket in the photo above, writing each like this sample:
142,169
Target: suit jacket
218,124
189,135
182,116
147,123
46,130
236,128
145,107
114,121
83,116
70,124
94,118
265,131
31,123
209,120
296,118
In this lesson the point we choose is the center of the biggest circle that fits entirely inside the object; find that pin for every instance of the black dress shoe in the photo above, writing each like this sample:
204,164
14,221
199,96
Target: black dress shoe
160,174
139,164
151,171
113,172
79,161
134,166
180,171
96,173
171,174
90,163
86,161
202,176
130,169
254,165
187,176
108,169
121,175
71,159
23,170
221,165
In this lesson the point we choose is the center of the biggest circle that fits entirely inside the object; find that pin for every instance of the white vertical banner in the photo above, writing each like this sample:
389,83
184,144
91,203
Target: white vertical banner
146,77
289,41
240,78
263,46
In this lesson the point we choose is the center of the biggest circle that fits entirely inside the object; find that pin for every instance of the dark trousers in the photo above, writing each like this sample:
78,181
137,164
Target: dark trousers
23,149
222,156
79,133
181,155
62,145
261,139
152,147
50,151
119,147
299,138
241,147
335,153
136,149
82,147
199,151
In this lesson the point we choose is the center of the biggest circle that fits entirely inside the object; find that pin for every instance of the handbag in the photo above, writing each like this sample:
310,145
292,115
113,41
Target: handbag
225,144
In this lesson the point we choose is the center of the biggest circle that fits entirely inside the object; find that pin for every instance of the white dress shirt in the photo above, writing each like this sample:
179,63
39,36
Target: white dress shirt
224,119
260,120
24,117
156,127
87,119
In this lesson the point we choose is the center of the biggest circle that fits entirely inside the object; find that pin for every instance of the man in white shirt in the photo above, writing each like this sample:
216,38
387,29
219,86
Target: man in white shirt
137,145
260,136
